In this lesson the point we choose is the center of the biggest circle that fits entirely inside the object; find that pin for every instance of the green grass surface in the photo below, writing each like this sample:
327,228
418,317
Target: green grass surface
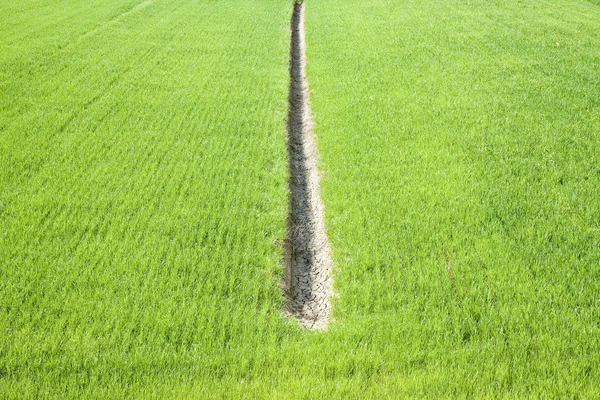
142,189
143,199
461,145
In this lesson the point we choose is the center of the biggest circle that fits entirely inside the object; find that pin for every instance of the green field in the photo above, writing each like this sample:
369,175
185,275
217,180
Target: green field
143,199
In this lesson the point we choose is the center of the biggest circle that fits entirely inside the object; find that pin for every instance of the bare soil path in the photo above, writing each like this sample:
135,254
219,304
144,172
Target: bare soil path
307,282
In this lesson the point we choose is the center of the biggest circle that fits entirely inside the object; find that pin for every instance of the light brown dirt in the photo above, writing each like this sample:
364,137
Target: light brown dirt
307,283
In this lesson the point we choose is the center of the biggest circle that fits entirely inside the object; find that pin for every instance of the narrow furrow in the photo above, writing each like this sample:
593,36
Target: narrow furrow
113,21
307,282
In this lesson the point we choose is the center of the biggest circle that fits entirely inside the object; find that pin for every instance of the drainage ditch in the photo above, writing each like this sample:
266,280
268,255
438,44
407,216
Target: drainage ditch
307,282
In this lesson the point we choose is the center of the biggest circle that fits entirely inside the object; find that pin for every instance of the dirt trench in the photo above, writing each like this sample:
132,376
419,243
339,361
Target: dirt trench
307,282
